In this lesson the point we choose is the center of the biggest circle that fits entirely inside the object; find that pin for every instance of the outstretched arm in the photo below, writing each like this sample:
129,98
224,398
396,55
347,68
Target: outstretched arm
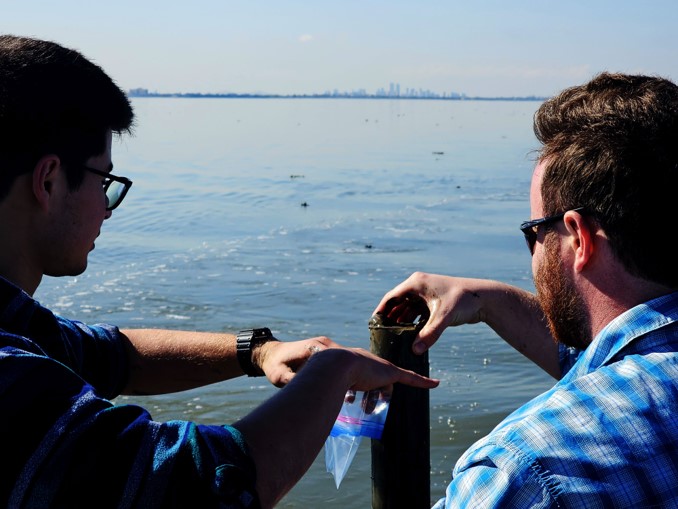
445,301
162,361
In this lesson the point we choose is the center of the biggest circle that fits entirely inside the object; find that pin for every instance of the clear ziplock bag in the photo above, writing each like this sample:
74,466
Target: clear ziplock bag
362,415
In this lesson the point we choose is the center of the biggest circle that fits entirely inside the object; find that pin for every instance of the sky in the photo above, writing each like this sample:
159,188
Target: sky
481,48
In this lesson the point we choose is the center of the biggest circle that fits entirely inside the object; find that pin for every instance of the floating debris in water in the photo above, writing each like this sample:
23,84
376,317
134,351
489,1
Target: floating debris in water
438,153
304,204
293,176
368,246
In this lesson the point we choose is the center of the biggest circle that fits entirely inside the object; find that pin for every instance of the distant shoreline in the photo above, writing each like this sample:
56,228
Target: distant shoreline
142,93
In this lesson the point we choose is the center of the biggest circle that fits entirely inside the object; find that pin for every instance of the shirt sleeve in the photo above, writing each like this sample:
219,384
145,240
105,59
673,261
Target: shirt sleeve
97,353
71,448
495,477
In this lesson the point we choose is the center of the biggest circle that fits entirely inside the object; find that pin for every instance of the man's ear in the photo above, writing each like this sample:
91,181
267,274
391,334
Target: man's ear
45,174
580,238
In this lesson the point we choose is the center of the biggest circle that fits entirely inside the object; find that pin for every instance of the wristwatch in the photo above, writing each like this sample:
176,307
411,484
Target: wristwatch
246,341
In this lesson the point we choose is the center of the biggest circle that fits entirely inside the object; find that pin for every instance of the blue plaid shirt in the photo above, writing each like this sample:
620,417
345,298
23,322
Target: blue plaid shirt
605,436
64,444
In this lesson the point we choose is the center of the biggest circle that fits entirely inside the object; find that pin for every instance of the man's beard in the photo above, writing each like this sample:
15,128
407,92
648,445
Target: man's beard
563,307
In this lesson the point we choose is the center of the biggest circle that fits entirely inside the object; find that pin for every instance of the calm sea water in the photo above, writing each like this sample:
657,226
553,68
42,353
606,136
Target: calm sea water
213,236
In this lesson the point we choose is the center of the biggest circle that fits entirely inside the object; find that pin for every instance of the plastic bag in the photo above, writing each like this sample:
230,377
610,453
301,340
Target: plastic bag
362,415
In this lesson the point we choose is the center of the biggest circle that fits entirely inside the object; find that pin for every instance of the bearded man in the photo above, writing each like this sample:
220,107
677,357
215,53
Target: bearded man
603,321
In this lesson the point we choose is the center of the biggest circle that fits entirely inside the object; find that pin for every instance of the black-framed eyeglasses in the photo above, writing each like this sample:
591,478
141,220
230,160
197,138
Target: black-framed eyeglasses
115,187
530,228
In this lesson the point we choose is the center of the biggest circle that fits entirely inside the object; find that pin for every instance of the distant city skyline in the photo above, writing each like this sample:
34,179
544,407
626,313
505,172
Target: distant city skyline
393,91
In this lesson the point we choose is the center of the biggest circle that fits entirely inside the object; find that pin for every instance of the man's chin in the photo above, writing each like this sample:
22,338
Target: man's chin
73,271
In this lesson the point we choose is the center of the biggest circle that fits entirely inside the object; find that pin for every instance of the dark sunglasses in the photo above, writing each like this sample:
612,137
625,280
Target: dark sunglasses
530,228
115,187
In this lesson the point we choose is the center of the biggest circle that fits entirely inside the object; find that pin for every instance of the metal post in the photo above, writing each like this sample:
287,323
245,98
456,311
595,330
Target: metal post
401,464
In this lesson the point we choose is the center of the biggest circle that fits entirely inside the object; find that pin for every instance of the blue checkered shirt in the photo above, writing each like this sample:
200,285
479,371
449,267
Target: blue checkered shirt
605,436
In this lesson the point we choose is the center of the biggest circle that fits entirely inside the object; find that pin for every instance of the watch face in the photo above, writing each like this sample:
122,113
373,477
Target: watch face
253,335
263,333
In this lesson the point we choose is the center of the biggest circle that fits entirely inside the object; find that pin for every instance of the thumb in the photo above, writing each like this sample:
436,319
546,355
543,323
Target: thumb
427,336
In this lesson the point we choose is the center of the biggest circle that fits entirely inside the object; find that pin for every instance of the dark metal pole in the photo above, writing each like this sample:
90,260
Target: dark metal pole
401,464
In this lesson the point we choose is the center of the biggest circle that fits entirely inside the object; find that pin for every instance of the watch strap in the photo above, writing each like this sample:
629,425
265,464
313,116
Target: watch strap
246,340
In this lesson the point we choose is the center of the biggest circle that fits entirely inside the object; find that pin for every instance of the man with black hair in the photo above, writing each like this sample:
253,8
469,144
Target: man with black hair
65,443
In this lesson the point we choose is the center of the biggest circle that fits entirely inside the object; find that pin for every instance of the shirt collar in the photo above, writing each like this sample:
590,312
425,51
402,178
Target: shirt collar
623,331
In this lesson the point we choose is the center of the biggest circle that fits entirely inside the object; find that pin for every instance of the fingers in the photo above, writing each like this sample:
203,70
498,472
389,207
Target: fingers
370,400
415,380
373,372
408,300
396,296
323,342
385,304
282,380
406,309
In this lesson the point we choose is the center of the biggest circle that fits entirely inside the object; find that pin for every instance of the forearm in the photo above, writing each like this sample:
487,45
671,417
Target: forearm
162,361
286,433
515,315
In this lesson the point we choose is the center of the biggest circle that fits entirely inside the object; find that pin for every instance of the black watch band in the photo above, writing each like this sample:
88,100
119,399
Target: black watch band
245,342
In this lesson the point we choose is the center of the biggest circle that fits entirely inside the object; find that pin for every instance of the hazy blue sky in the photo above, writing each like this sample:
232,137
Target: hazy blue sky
477,47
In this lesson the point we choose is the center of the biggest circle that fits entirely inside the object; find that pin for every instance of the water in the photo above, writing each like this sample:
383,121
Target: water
213,236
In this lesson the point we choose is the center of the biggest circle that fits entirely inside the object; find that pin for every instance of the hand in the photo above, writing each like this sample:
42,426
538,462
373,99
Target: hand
442,301
364,371
281,360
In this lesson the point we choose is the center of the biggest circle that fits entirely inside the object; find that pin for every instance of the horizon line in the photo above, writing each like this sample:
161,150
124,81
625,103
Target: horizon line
142,92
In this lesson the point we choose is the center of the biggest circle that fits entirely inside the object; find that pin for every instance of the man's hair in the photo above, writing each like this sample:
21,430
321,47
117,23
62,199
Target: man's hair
54,101
611,146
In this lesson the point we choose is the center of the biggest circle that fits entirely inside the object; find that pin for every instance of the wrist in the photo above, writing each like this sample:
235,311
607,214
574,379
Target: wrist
248,342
